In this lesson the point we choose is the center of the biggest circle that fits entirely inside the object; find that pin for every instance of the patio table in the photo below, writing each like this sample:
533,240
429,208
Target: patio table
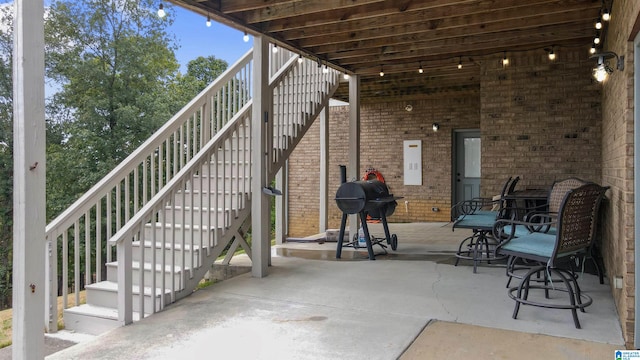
527,200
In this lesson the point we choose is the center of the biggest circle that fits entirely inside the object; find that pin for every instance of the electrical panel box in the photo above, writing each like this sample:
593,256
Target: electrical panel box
413,162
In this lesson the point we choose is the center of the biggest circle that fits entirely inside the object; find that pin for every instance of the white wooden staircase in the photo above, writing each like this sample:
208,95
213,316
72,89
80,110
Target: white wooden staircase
157,223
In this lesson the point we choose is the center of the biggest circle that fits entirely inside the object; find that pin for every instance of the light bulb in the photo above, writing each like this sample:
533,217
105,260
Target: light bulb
275,48
346,76
593,49
420,70
245,38
300,59
325,69
552,55
606,15
598,24
460,63
208,21
505,61
600,73
161,12
381,72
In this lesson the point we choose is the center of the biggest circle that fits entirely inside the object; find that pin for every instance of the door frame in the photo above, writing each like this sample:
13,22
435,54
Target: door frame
454,159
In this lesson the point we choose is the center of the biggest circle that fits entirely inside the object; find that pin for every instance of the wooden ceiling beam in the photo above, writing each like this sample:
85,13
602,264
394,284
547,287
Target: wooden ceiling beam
452,27
304,8
365,12
371,17
234,6
467,46
464,45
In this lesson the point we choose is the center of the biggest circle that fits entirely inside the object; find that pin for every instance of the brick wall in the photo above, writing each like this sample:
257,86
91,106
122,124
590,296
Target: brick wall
617,171
540,119
384,127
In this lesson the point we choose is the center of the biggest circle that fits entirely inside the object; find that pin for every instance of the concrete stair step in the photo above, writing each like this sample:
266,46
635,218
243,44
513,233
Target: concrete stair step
105,294
159,248
199,215
159,272
92,319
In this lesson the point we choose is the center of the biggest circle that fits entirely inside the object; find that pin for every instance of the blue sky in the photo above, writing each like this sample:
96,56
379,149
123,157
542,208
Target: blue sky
195,39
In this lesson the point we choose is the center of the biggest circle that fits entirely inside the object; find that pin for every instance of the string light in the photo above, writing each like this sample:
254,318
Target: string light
208,21
420,70
593,49
161,12
274,49
606,14
245,38
552,55
325,69
460,63
381,71
345,76
596,40
599,23
505,60
300,59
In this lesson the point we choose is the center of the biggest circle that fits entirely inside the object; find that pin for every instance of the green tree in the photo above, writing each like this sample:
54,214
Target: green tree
6,157
206,69
114,62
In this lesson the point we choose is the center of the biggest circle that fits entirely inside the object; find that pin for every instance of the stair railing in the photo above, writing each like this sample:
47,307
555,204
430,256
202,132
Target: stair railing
299,93
135,195
98,214
230,140
230,145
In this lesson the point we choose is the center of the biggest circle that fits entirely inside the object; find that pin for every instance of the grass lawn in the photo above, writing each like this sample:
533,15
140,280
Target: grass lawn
6,317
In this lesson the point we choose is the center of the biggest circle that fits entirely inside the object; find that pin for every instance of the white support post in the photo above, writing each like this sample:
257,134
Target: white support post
353,168
29,174
282,215
261,117
125,280
324,169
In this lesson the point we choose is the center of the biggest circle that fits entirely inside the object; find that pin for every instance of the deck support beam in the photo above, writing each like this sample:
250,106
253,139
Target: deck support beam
353,168
324,170
260,209
29,211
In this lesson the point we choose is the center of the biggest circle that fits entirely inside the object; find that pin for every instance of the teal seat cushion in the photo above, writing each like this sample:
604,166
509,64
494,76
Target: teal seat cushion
537,244
520,230
476,221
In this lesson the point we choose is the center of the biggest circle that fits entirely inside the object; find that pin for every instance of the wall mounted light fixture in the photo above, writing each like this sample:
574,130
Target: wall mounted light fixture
602,69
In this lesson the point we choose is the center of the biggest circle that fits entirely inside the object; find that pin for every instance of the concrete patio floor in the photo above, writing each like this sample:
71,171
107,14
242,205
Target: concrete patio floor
312,306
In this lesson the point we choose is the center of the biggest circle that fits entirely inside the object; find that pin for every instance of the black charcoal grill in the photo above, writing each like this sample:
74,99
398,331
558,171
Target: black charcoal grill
366,197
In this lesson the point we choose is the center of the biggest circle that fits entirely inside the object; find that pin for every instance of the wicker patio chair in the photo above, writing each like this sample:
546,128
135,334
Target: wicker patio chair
541,219
575,228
